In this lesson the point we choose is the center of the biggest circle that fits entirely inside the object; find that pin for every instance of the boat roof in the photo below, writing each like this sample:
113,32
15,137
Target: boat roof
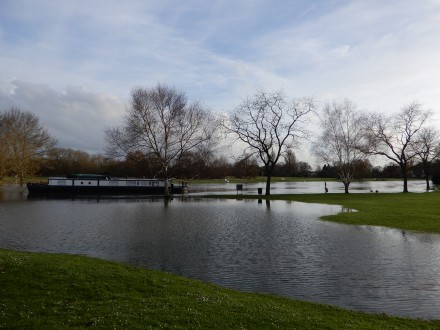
80,176
87,176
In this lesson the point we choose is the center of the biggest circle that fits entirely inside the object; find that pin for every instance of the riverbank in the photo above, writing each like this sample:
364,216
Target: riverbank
51,291
406,211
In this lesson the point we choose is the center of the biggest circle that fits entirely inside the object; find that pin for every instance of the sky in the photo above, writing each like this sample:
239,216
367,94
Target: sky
73,63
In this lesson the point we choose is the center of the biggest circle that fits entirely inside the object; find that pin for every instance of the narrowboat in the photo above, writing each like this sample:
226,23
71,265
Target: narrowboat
93,184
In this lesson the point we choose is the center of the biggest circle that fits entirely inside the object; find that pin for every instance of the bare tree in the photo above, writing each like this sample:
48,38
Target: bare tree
4,148
245,166
392,136
426,146
363,169
64,161
338,145
268,124
26,141
304,169
290,163
161,122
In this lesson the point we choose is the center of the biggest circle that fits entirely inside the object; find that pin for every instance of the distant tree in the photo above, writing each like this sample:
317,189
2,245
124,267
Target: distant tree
435,170
137,164
377,172
342,133
57,162
26,142
64,161
98,164
4,149
246,167
363,169
269,124
290,163
326,171
392,136
304,169
426,147
161,122
417,171
220,168
194,165
391,170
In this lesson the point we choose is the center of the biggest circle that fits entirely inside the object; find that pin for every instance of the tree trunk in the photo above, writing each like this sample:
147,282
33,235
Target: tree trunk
166,188
346,184
427,183
269,177
405,180
426,168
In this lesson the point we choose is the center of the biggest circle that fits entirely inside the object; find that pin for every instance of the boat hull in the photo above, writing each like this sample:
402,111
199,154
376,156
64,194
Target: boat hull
45,189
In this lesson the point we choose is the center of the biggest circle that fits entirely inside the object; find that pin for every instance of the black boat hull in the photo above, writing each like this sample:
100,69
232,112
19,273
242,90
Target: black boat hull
45,189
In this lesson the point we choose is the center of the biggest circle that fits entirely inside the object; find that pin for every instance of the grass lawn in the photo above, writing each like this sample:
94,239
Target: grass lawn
407,211
51,291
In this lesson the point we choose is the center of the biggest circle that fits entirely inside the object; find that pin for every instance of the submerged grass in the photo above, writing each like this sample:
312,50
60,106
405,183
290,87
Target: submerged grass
53,291
407,211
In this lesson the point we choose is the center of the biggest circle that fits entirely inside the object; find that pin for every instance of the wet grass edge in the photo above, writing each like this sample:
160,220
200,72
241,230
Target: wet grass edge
56,291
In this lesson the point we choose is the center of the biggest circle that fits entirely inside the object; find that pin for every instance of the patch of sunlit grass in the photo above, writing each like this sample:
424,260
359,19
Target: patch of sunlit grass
407,211
46,291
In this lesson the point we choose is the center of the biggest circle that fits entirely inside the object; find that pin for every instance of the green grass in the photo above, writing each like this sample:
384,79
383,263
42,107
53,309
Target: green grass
407,211
50,291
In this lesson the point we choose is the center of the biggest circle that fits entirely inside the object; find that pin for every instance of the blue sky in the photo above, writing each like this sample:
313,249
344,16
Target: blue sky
74,63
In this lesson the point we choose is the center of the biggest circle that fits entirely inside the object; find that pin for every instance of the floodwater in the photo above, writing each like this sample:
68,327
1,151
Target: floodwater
311,187
278,248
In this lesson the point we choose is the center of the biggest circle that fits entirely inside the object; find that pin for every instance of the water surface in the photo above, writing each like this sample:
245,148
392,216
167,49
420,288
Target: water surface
311,187
281,248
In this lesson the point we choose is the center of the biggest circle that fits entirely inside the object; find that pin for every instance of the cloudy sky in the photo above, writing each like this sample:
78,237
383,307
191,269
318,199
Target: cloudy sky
74,62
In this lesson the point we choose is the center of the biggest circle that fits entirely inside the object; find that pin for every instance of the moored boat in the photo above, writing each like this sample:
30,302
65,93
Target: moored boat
94,184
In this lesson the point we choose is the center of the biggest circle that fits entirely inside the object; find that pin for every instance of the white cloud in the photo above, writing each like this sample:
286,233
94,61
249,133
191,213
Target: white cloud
382,55
76,116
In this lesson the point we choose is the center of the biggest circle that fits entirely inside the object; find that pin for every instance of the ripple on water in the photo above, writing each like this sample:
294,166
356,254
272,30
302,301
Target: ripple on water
282,249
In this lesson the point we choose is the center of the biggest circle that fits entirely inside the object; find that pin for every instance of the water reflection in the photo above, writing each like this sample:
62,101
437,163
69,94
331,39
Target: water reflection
279,248
12,192
310,187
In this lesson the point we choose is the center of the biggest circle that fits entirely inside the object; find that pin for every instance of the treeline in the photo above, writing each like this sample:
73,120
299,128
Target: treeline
23,143
61,161
365,170
27,149
165,135
64,161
